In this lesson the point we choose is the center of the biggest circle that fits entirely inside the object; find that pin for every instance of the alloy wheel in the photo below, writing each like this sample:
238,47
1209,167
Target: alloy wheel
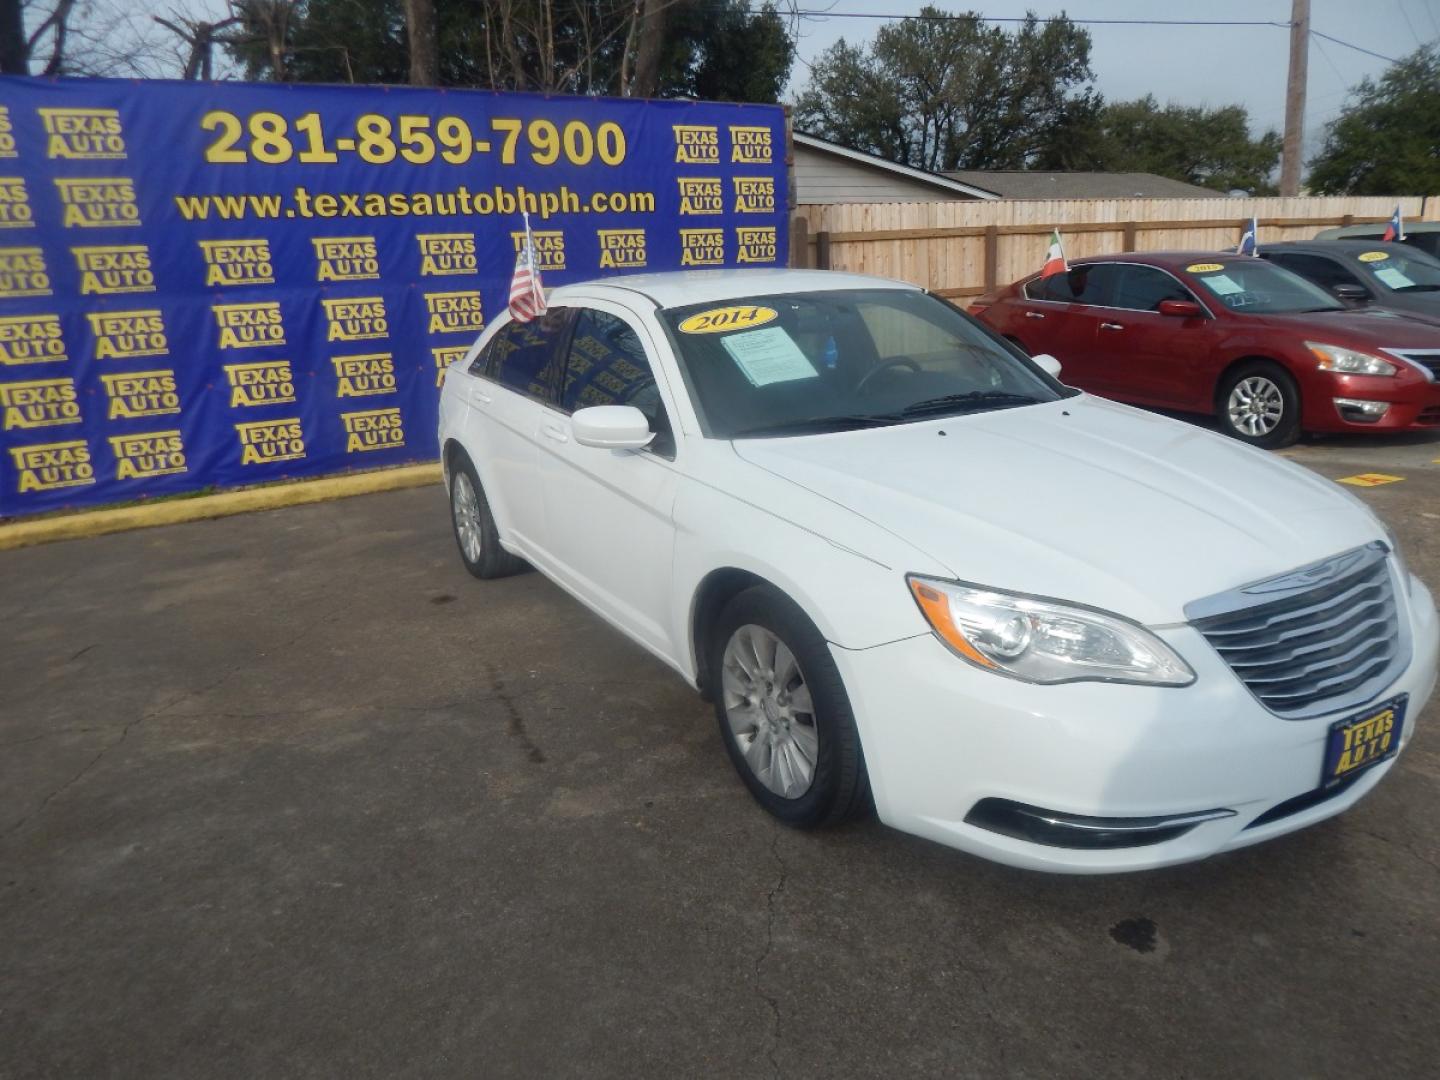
465,506
769,708
1255,406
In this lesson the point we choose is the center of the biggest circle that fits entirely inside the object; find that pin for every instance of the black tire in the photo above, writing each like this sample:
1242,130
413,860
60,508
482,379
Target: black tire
1273,383
491,561
838,789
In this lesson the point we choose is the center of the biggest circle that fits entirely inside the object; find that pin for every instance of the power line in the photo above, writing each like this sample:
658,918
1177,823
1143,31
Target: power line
1357,48
950,17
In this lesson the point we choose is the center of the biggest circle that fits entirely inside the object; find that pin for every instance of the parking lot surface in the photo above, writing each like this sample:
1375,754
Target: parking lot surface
292,795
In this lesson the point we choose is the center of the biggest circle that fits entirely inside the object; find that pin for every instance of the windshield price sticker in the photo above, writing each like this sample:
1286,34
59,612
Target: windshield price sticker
768,356
1396,279
1223,285
1203,268
722,320
1373,256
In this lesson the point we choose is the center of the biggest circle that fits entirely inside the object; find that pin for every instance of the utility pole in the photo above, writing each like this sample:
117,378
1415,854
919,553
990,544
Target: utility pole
1295,97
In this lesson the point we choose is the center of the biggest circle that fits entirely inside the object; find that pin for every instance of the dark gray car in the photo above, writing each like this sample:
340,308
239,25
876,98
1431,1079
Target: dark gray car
1424,235
1366,273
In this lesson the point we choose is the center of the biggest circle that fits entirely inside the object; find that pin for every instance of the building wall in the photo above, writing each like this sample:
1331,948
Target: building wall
829,178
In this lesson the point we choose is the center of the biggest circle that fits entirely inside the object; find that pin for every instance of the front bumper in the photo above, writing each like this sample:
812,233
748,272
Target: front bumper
940,736
1414,403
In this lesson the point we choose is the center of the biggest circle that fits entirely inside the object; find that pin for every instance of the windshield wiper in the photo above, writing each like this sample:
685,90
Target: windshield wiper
1419,286
842,422
973,401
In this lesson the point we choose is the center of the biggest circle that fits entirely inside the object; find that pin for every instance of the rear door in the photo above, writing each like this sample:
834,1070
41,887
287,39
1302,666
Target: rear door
518,378
1142,355
1076,305
1039,317
609,530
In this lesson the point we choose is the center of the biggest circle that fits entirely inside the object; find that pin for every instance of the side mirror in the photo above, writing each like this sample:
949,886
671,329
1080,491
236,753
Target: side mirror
611,427
1181,309
1048,364
1351,293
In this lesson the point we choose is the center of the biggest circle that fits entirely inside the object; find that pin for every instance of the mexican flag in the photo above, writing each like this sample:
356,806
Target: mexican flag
1054,258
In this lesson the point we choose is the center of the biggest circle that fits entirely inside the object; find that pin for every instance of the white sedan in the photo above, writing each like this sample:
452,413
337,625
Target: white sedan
913,569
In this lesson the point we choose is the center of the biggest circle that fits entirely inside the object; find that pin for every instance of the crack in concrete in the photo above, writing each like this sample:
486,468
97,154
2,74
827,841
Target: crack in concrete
769,999
516,726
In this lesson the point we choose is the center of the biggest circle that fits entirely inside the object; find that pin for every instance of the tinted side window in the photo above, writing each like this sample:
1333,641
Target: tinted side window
1322,271
1088,284
523,356
1141,288
607,365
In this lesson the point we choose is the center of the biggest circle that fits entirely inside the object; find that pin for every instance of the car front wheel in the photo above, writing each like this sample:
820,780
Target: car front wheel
1260,404
783,712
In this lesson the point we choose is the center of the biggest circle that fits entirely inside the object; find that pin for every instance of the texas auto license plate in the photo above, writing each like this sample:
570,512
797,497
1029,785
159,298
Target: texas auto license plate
1356,744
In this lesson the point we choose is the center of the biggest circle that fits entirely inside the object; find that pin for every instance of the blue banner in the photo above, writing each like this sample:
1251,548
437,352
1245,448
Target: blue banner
210,285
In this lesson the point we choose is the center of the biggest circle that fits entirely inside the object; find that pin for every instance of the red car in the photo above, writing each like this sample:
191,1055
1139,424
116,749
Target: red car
1264,350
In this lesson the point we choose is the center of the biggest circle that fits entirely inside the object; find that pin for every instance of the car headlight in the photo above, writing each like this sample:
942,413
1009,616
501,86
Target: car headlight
1348,361
1043,641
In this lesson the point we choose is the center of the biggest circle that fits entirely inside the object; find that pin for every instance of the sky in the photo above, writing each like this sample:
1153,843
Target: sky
1189,65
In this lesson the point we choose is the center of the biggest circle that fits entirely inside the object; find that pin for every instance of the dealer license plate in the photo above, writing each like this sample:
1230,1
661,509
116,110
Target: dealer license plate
1360,742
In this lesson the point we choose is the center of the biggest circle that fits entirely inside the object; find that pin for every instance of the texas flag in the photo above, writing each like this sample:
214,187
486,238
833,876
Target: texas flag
1395,229
1054,258
1249,238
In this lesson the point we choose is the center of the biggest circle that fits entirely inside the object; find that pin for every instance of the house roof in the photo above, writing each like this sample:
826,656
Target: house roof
951,182
1033,184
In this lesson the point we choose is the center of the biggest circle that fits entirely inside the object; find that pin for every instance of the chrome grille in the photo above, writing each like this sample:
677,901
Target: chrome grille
1324,637
1427,360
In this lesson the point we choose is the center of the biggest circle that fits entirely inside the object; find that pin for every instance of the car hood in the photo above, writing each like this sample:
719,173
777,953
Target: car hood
1081,499
1364,328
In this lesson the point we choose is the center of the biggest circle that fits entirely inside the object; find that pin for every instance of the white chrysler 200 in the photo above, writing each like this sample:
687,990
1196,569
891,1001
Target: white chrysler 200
910,566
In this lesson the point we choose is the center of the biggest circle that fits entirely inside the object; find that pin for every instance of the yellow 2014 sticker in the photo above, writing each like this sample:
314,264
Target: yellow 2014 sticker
1373,256
1369,479
1203,268
724,319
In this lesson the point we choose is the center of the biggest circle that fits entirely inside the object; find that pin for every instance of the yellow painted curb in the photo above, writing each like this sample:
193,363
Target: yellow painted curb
99,522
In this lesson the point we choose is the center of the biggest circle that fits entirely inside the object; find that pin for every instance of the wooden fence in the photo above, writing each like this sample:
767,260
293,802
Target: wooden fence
962,249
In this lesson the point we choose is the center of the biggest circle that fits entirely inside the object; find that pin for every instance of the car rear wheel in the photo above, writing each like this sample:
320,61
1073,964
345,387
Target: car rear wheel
783,712
475,533
1259,404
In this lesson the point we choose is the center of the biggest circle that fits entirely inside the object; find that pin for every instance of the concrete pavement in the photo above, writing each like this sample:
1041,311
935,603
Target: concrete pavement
290,794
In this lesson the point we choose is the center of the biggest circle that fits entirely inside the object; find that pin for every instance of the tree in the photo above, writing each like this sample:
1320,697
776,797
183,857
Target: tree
626,47
953,92
17,50
1386,140
1209,147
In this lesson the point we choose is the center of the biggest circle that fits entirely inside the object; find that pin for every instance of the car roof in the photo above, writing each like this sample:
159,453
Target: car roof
1341,232
1168,260
1350,246
684,287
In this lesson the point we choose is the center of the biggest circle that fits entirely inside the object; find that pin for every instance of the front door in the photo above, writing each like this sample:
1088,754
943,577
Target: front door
609,531
1147,357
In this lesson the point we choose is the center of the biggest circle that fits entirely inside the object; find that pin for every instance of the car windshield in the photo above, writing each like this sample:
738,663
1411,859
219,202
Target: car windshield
802,363
1402,271
1256,287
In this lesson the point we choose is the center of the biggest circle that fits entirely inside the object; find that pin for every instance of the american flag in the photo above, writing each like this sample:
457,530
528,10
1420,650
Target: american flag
527,295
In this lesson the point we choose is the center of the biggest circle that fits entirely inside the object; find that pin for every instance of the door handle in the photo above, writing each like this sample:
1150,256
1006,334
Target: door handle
1033,315
479,397
555,433
1111,326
